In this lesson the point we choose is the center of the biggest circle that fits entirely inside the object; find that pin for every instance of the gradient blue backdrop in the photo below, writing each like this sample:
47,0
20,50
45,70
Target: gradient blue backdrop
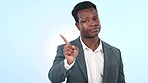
29,36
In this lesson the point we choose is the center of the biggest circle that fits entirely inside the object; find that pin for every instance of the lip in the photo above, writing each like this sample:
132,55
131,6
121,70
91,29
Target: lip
94,30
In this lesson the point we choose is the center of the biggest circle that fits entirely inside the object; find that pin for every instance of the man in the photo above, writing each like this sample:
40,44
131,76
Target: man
87,59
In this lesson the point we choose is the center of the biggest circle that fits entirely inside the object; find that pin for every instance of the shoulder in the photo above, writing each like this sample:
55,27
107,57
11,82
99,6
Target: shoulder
112,48
73,42
114,52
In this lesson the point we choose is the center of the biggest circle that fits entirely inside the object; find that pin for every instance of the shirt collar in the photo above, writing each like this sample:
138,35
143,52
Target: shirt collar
99,48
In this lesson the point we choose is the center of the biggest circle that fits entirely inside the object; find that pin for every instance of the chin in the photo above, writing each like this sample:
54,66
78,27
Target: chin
93,36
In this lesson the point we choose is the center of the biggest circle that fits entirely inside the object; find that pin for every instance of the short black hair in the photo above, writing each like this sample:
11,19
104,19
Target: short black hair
81,6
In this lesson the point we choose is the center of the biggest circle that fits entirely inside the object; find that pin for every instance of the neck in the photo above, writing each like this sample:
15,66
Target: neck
91,43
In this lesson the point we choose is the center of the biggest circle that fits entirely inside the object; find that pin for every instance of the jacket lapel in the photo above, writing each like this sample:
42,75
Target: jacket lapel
80,58
107,61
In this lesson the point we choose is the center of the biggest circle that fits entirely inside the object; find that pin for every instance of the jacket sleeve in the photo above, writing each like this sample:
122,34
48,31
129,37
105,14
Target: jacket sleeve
121,77
58,73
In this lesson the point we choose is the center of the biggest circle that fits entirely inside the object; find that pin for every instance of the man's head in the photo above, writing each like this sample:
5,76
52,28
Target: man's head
87,19
81,6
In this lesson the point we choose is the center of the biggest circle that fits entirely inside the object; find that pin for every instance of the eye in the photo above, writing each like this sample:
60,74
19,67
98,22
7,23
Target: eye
85,21
95,18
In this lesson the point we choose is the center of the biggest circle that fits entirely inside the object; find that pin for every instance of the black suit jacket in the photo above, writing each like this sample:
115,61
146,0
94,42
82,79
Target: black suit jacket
113,67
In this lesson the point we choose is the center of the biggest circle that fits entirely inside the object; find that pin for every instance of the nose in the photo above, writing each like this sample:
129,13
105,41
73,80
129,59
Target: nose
94,23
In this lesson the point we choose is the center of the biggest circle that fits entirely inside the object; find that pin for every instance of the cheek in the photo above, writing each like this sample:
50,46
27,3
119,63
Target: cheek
98,23
84,28
84,31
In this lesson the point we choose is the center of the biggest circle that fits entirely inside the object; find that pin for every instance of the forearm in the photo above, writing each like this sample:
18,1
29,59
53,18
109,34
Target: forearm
57,73
121,77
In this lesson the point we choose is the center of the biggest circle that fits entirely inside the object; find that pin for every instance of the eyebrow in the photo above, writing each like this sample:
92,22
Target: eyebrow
88,17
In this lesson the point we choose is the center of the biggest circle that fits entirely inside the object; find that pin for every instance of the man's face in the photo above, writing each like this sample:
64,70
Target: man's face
89,23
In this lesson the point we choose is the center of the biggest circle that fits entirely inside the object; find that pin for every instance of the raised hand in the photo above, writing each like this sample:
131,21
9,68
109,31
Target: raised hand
70,51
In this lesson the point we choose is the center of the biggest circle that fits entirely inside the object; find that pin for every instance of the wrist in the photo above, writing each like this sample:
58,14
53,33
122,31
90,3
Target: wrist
66,65
70,62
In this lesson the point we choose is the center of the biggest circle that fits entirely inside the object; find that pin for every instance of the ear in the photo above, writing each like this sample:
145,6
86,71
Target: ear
77,25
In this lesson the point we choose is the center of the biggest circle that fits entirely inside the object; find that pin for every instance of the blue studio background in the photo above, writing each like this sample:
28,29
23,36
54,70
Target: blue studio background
29,36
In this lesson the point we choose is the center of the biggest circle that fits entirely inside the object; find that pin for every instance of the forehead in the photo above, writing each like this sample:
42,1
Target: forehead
85,13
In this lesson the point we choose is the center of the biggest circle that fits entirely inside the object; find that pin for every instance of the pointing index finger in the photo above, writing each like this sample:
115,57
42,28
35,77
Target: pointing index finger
66,42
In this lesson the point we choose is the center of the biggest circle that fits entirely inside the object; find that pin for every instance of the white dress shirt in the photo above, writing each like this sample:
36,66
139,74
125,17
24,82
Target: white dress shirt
94,63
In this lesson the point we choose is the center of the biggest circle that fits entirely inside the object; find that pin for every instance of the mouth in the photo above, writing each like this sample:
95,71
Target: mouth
94,30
